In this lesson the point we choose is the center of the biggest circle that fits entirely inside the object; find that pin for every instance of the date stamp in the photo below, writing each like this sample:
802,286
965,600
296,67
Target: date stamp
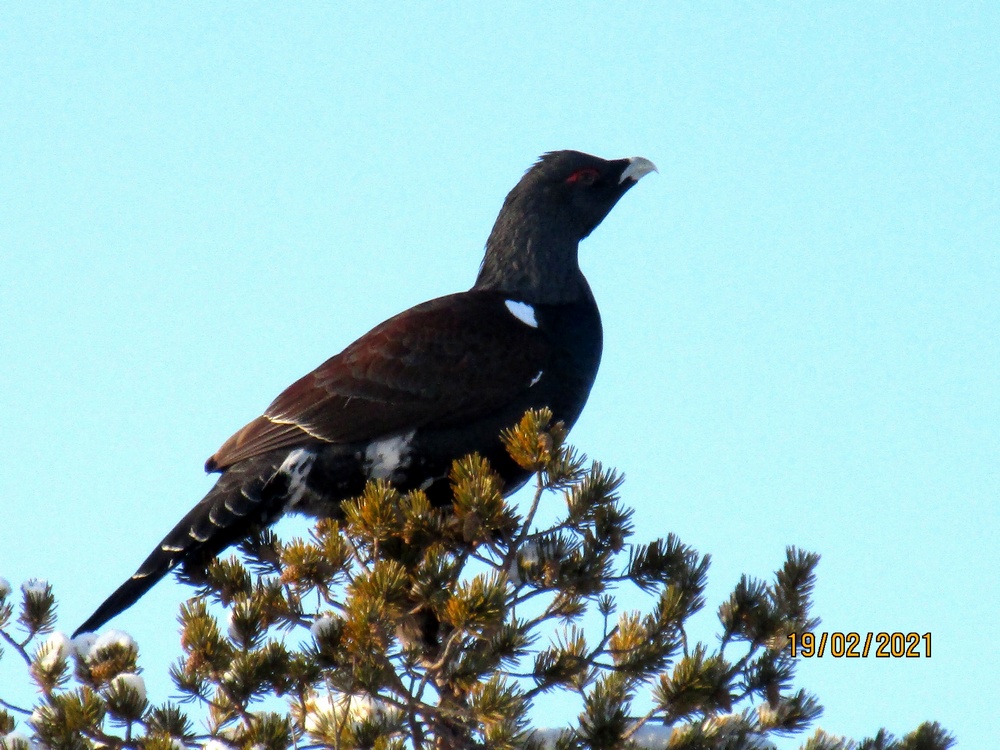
860,645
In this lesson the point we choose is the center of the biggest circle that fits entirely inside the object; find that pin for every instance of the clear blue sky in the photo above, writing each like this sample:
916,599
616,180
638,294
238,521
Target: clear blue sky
198,205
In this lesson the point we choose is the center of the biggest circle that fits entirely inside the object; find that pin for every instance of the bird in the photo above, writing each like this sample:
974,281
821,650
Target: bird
427,386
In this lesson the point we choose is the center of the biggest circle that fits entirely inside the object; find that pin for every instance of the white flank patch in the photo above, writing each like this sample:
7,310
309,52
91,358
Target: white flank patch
523,312
385,457
536,378
297,467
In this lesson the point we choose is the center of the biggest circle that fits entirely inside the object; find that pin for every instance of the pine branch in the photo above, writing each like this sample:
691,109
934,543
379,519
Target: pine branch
419,643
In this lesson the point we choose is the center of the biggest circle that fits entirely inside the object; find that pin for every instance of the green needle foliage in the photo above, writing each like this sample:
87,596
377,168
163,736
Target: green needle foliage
401,625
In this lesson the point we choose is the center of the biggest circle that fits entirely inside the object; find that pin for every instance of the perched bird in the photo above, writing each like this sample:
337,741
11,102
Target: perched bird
425,387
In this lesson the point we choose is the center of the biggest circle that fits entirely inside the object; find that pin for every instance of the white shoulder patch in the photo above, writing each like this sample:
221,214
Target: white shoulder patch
523,312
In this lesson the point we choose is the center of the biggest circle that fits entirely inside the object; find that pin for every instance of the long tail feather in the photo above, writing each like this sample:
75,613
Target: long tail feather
246,498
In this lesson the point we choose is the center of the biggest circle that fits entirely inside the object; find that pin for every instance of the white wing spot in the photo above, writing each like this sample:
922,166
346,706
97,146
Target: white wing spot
522,311
384,458
535,379
296,466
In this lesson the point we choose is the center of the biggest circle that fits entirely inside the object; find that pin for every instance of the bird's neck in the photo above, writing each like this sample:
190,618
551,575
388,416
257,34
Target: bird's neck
530,263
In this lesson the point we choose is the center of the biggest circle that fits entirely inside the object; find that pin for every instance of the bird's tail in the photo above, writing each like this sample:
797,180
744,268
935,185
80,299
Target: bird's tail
246,498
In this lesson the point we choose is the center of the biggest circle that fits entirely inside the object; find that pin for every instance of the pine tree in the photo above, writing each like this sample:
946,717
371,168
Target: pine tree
402,625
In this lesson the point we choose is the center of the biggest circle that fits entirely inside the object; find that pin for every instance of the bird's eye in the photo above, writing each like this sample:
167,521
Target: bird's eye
587,176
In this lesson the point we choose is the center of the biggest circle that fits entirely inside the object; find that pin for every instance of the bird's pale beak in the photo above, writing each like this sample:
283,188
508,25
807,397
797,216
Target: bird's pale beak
637,168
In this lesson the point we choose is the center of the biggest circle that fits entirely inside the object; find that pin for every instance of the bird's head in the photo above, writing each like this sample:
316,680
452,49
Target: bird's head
576,190
558,202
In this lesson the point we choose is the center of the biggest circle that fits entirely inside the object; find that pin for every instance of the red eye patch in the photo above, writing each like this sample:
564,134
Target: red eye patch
586,176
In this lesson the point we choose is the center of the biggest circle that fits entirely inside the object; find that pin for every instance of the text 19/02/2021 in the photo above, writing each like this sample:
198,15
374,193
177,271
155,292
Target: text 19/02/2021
839,645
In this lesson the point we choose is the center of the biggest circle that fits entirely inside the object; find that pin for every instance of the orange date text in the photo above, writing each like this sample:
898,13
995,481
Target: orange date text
860,645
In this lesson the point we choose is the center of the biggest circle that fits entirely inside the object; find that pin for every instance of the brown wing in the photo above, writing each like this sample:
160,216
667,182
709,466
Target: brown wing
441,363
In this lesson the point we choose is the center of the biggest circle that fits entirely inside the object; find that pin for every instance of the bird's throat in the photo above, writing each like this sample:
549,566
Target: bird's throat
534,266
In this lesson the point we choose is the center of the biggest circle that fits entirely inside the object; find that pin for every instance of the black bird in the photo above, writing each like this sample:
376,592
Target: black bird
427,386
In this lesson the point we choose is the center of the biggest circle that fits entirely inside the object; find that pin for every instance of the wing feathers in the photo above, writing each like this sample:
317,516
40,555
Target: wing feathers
451,359
262,435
